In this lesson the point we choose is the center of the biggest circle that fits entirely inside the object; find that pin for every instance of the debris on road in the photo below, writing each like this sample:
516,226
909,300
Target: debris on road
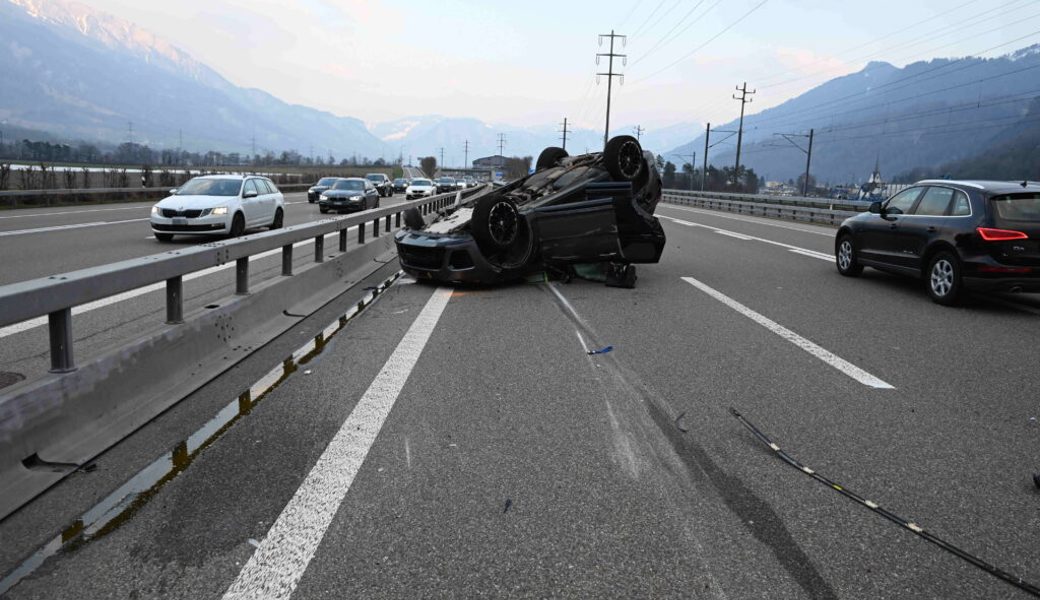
679,422
253,543
509,504
602,350
999,573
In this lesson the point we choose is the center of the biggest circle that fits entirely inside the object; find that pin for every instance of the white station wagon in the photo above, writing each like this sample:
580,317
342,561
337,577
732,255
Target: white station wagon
219,205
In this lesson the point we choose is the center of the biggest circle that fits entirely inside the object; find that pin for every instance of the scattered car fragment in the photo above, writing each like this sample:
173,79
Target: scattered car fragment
587,212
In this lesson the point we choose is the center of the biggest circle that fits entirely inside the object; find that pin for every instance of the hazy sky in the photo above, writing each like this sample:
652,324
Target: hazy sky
533,62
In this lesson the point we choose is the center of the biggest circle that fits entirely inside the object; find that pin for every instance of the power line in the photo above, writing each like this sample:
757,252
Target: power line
712,39
632,12
648,17
668,38
808,152
610,74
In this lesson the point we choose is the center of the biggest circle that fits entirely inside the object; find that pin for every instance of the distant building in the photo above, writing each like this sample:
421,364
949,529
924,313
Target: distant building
490,162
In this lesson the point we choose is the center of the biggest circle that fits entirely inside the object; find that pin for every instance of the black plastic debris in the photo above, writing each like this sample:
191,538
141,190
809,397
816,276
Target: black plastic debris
509,504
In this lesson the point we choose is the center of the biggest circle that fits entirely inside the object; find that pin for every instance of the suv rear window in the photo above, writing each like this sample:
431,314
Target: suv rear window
1018,207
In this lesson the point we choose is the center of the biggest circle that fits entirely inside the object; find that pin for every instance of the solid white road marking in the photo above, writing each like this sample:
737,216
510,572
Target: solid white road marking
76,310
76,212
826,356
757,221
65,227
745,237
276,567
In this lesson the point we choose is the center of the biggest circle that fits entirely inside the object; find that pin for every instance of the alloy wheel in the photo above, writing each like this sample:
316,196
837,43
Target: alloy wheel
845,255
942,277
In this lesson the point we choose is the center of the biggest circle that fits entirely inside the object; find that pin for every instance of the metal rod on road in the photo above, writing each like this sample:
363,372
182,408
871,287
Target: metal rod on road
175,300
60,329
242,276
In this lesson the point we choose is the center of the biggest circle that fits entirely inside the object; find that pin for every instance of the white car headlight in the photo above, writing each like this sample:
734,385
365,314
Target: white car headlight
155,210
323,197
355,197
219,211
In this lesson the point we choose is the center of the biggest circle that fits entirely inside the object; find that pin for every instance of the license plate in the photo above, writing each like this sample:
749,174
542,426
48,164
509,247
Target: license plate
180,221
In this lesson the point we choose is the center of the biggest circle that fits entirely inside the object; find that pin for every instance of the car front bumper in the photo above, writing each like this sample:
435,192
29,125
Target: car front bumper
341,204
445,258
198,226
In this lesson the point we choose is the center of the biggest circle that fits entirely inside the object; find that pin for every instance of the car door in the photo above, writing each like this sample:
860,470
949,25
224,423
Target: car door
268,199
596,227
252,203
876,235
927,222
371,195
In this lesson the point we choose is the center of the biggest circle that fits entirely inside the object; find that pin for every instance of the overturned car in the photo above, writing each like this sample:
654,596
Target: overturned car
588,215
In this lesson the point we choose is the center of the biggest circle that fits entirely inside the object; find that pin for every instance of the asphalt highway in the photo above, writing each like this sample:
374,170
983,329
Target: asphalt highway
459,442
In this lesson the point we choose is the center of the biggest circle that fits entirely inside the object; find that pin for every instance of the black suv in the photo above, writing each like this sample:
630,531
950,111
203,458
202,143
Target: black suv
382,183
953,235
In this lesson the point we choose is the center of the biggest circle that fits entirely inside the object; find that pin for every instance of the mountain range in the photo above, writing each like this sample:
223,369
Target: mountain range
81,74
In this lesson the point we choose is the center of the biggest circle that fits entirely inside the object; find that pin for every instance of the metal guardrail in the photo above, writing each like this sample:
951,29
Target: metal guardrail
55,296
829,204
808,214
32,198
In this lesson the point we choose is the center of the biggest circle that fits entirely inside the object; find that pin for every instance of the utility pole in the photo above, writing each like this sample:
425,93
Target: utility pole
807,151
692,163
565,133
442,157
707,136
744,100
610,74
639,132
465,161
501,144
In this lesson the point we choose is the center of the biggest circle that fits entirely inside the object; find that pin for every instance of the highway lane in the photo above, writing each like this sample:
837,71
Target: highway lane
62,240
514,464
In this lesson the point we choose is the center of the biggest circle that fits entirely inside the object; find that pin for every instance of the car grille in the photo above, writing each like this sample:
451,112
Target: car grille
169,213
421,257
187,228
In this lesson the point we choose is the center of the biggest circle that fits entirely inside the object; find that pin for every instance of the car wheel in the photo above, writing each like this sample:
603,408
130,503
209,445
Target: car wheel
238,225
279,219
623,158
164,237
323,210
550,157
848,264
413,219
943,278
495,223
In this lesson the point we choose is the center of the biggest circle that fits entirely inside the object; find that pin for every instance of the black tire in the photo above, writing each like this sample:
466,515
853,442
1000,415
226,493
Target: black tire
311,201
413,219
845,257
164,237
495,223
550,157
623,158
323,210
943,278
238,225
279,219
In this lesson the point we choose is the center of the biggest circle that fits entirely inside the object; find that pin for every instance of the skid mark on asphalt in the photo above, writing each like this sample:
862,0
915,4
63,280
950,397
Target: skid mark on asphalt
275,569
824,355
752,512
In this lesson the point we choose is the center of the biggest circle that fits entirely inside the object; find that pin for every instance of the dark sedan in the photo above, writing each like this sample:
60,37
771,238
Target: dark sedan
446,184
348,195
400,185
953,235
588,216
316,191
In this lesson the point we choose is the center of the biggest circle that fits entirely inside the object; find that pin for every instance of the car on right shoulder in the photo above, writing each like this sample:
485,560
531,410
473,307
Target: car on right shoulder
954,236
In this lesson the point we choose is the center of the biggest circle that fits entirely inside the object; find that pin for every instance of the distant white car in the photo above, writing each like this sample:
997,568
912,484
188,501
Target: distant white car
420,188
219,205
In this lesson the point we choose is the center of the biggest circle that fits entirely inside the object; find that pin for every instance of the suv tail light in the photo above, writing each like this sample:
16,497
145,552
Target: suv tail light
990,234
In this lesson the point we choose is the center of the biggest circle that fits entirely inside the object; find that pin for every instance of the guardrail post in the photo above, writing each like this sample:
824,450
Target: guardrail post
342,240
361,233
242,276
287,260
388,223
397,220
375,228
60,328
174,300
319,249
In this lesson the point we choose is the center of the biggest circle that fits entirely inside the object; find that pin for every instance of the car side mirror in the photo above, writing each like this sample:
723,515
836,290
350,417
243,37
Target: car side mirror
173,192
249,194
876,208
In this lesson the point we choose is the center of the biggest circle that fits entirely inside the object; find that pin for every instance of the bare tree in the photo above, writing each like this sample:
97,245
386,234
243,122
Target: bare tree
428,164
